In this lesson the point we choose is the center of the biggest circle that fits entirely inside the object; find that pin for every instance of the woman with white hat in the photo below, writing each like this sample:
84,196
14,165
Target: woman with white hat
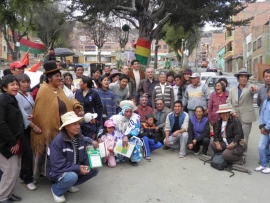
127,125
228,138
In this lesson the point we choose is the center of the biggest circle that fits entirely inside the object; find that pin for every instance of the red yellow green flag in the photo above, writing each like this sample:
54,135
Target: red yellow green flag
142,50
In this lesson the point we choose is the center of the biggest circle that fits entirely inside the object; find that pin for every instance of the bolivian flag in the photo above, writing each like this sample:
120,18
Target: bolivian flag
34,48
142,50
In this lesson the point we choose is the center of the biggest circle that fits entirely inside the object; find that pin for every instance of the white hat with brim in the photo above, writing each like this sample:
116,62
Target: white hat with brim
223,108
195,75
69,118
129,103
89,116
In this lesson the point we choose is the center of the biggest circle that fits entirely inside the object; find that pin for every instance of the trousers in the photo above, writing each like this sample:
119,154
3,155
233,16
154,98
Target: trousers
11,168
71,179
150,145
264,149
179,142
205,143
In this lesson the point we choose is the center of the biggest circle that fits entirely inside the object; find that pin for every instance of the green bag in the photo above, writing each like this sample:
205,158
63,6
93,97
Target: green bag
94,158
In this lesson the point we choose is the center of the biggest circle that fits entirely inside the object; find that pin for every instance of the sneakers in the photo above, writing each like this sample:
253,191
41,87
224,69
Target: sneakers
58,198
21,181
30,186
197,153
259,168
73,189
165,147
148,158
181,156
266,170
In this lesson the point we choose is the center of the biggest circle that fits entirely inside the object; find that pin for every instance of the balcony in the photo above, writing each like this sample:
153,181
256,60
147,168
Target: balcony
228,55
229,39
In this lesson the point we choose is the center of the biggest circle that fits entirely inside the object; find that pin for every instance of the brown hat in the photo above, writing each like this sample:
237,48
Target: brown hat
242,71
50,67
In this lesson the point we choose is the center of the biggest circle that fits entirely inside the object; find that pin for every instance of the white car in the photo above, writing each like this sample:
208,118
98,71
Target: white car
206,75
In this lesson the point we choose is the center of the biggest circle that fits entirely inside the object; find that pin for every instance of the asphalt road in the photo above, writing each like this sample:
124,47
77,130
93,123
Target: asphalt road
168,179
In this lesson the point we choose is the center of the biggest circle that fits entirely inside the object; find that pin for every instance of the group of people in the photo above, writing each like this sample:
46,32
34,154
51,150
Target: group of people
45,130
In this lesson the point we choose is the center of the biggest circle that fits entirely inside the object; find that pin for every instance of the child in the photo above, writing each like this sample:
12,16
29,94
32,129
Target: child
88,126
149,136
108,139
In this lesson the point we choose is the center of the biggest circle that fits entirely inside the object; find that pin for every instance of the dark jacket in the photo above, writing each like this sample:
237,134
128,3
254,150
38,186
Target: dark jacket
143,87
61,156
11,124
234,132
91,102
49,57
88,129
149,131
198,130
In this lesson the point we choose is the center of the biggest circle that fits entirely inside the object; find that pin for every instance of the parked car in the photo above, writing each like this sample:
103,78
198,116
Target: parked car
211,69
205,75
232,82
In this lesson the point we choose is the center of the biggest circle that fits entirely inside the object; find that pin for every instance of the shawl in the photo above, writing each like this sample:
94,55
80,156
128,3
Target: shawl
125,126
46,116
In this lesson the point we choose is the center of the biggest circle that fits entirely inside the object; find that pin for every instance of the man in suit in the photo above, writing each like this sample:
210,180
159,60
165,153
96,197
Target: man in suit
241,101
160,114
137,75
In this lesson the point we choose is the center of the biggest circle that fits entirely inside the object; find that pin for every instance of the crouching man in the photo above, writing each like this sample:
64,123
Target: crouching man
67,161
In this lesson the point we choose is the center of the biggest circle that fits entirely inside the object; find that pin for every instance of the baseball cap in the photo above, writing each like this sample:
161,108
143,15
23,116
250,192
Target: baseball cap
89,116
195,75
17,64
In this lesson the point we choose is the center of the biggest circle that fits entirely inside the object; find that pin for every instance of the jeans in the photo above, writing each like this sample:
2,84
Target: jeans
264,142
70,179
150,145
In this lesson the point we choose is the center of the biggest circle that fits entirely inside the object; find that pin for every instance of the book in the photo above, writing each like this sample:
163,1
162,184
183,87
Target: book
125,151
94,158
103,149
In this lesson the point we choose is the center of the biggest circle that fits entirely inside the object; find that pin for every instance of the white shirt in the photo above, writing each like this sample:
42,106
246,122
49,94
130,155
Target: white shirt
68,92
175,91
162,87
223,131
137,78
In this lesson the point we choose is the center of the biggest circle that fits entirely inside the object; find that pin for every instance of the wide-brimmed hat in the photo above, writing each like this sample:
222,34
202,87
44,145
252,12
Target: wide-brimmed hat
223,108
69,118
127,103
114,73
51,67
242,71
89,116
17,64
195,75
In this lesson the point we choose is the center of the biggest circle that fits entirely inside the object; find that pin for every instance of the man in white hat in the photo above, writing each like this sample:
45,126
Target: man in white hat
240,100
67,163
196,94
228,137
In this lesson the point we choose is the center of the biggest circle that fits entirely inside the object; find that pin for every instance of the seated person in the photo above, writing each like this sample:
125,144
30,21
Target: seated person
229,137
149,136
127,125
88,126
198,132
143,109
67,167
108,139
176,127
160,113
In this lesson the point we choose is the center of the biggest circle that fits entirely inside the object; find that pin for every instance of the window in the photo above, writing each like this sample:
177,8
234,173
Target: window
229,47
259,43
90,58
107,47
249,46
165,46
5,49
90,48
36,55
260,59
254,46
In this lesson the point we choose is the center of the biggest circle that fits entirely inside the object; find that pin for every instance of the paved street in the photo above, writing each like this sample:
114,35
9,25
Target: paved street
166,179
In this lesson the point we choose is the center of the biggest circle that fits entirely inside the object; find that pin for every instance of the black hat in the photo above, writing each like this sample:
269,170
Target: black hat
51,67
149,116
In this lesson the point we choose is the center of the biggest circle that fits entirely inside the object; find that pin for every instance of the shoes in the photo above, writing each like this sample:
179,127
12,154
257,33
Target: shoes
143,149
30,186
58,198
133,163
259,168
266,170
181,156
148,158
197,153
6,201
15,198
73,189
21,181
165,147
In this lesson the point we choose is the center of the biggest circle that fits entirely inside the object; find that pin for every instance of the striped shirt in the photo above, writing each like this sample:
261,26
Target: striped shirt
75,143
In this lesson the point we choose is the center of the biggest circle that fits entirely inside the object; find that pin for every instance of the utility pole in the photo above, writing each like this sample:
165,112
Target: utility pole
197,56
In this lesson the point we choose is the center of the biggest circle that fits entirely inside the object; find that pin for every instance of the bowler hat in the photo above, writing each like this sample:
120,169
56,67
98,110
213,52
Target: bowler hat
50,67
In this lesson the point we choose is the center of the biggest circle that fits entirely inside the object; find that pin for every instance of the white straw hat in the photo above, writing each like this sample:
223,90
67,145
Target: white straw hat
223,108
69,118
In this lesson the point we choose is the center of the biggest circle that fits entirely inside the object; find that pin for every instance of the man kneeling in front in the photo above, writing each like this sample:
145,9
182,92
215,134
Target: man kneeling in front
67,163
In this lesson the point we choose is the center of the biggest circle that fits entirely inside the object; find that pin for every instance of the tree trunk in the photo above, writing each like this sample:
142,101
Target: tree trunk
99,54
156,53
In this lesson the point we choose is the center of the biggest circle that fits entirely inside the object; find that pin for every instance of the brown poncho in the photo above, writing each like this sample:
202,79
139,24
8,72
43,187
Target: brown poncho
46,116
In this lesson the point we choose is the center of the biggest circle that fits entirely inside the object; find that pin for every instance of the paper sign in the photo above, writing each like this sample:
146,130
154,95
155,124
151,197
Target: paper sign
103,149
76,83
125,151
94,158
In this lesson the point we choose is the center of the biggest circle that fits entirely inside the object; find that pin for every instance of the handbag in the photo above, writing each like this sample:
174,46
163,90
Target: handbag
219,163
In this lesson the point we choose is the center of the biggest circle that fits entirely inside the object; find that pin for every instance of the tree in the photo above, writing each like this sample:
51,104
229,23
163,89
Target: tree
149,16
51,25
16,21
